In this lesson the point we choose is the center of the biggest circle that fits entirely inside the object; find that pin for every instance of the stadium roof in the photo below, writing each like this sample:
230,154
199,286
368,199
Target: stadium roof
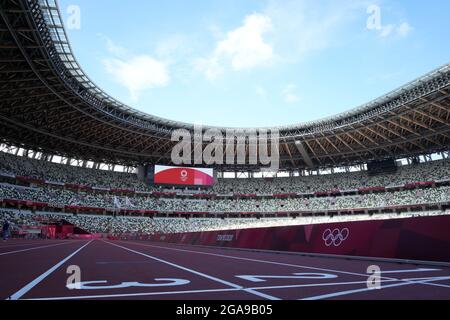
47,103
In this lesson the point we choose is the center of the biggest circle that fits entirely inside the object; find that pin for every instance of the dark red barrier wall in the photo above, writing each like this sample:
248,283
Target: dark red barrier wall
426,238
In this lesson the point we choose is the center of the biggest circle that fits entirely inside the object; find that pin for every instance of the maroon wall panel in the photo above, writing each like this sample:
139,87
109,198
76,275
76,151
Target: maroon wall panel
424,238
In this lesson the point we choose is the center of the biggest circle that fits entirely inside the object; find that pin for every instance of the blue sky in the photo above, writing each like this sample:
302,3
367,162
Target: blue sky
251,63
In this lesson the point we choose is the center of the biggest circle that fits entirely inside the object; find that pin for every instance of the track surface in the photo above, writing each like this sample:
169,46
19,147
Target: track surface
143,270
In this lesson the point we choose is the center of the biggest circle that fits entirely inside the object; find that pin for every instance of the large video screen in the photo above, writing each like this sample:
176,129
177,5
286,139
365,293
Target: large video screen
183,176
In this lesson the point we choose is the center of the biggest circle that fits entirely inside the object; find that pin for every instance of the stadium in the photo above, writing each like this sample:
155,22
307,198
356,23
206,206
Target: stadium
97,208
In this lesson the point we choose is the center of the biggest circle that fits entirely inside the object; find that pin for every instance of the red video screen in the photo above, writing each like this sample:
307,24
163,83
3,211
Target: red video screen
183,176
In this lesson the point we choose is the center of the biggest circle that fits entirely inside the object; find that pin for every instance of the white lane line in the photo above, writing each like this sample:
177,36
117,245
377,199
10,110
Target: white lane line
23,244
410,271
227,283
35,243
333,284
130,295
261,261
275,263
442,278
34,248
343,293
325,284
261,294
32,284
125,295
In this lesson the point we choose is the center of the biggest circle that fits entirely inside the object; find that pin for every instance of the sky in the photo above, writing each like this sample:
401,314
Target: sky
255,63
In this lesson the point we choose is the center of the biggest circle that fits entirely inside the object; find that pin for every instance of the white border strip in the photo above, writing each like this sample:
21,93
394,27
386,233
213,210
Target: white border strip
10,243
34,248
35,243
131,295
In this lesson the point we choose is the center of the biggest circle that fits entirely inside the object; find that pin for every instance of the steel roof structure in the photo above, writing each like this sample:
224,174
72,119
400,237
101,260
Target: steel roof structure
48,104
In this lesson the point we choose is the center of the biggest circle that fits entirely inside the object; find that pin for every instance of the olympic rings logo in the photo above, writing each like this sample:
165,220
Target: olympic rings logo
335,237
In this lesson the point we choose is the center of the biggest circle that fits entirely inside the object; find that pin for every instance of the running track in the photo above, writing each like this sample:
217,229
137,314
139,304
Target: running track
144,270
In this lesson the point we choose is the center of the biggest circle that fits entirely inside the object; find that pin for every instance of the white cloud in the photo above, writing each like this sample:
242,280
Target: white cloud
137,73
303,27
115,49
243,48
211,67
216,32
404,29
290,94
174,47
285,31
387,30
261,92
